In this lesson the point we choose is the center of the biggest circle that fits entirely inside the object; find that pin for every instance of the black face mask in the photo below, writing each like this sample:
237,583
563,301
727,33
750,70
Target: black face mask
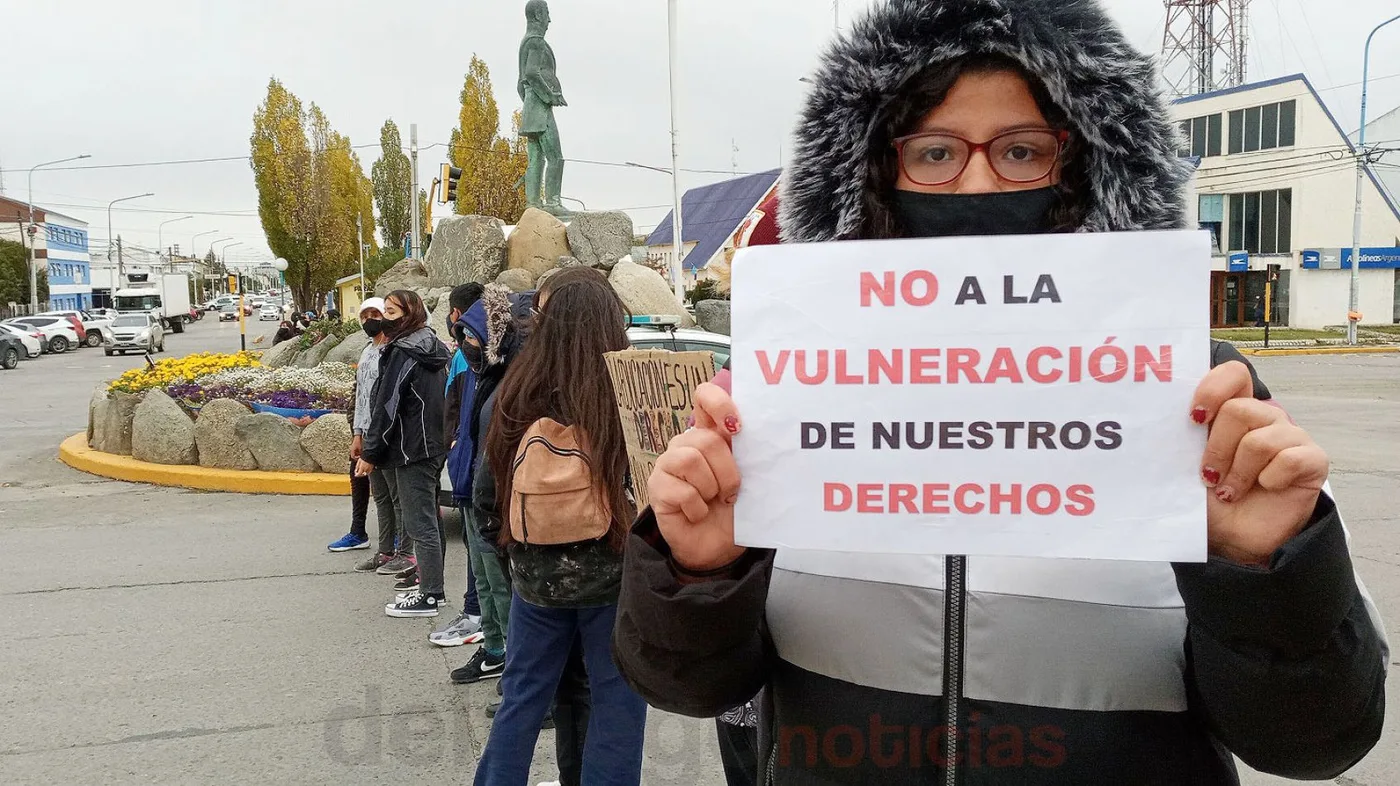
373,327
476,359
953,215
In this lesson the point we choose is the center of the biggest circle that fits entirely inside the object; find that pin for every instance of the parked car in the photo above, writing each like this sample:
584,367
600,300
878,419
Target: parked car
269,312
228,312
11,350
665,333
32,338
196,314
88,324
136,332
59,335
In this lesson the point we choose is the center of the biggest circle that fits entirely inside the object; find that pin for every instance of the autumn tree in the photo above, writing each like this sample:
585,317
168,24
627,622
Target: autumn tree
14,274
492,166
393,182
311,187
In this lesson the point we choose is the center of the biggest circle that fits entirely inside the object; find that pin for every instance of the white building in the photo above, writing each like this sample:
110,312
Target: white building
1277,186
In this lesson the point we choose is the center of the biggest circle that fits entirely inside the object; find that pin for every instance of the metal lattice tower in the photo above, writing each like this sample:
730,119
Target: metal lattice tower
1205,45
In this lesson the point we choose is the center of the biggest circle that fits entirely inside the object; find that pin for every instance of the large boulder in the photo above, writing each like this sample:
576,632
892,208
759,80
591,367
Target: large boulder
518,279
408,274
216,438
111,427
437,320
465,249
645,292
537,242
313,357
713,315
433,297
284,354
349,350
327,442
98,399
275,442
600,239
161,432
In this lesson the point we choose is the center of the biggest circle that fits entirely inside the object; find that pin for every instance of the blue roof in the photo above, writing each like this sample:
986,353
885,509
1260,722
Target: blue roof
712,213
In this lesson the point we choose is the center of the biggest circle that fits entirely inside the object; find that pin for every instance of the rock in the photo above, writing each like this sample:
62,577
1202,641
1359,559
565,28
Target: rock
465,249
713,315
313,357
111,428
327,441
218,442
99,398
274,442
539,283
349,350
639,254
284,354
567,262
645,292
161,432
537,242
600,239
518,279
437,320
432,297
408,274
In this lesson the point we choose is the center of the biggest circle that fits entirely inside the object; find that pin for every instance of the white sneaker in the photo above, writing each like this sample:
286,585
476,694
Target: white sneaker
464,629
549,783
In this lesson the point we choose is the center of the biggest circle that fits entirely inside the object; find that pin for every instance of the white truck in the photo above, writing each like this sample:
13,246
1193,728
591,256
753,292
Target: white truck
164,296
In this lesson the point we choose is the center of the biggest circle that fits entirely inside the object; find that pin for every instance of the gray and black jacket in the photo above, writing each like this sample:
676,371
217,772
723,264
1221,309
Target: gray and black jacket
1052,671
406,426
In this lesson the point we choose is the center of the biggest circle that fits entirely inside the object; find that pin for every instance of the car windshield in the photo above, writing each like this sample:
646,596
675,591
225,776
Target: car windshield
131,320
229,307
39,321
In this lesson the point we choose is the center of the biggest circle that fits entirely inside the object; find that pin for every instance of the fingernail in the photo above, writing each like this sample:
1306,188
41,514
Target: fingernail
1225,494
731,423
1199,415
690,422
732,498
1212,476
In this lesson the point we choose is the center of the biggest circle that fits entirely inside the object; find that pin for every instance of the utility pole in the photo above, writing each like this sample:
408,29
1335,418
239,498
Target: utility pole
413,197
360,241
679,238
1353,314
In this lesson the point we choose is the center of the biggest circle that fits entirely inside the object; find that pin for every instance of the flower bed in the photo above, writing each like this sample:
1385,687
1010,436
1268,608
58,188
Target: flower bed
174,371
326,388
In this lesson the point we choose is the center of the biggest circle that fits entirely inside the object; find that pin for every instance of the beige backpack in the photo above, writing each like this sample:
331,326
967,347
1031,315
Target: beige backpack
552,497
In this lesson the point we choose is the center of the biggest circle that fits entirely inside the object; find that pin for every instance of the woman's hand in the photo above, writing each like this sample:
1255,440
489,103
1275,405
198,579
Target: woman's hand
363,469
696,483
357,447
1263,472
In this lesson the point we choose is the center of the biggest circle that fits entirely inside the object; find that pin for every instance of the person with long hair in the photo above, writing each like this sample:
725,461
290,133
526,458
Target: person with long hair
405,441
569,589
934,118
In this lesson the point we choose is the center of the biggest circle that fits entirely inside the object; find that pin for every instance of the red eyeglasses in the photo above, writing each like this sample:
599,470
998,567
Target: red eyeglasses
1023,156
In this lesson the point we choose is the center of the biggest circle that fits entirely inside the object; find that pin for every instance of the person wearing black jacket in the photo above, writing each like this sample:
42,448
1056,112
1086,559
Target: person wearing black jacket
944,117
405,440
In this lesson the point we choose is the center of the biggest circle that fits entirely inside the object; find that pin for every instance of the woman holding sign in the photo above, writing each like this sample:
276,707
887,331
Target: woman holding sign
934,118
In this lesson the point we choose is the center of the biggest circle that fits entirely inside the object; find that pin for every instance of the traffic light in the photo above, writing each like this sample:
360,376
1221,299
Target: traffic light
449,177
232,284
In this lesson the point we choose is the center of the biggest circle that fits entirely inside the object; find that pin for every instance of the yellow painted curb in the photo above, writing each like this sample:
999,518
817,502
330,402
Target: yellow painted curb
1320,351
75,453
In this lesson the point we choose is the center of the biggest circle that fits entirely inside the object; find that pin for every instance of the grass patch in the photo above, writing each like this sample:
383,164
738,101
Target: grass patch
1393,330
1275,334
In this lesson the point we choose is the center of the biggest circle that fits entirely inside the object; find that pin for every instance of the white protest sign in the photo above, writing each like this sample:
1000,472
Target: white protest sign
1012,396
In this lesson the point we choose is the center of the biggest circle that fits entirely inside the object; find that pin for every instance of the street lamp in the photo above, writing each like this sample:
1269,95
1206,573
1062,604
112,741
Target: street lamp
281,265
678,242
1352,315
34,265
118,283
160,237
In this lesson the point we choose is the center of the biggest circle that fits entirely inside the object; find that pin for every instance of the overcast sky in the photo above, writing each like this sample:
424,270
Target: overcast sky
155,80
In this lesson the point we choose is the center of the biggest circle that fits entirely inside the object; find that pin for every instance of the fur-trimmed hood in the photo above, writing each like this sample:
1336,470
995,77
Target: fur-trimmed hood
1107,89
490,320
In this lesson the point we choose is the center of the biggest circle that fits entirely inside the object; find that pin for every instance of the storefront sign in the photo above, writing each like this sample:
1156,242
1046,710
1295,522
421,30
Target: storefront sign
1340,259
654,390
1239,263
981,396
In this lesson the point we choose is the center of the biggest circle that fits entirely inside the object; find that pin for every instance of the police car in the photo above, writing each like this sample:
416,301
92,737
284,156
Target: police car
665,332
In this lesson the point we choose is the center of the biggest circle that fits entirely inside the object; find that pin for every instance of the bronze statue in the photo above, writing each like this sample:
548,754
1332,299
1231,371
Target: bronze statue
539,89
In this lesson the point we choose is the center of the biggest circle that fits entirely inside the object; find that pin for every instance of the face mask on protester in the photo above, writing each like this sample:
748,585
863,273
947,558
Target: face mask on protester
373,327
952,215
475,358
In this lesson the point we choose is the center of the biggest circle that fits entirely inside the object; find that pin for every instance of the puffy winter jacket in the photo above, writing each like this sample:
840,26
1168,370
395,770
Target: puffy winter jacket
1048,671
408,402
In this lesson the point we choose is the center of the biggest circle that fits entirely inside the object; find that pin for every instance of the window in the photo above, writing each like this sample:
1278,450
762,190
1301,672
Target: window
1263,127
1261,222
1200,136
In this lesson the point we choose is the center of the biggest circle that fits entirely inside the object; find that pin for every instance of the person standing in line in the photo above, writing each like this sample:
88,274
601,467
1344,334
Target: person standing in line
405,440
556,454
358,537
461,393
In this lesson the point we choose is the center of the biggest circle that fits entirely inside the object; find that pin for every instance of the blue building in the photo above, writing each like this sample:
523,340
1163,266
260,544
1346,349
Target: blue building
69,263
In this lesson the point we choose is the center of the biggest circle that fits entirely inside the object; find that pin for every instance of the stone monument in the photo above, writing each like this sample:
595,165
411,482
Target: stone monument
540,91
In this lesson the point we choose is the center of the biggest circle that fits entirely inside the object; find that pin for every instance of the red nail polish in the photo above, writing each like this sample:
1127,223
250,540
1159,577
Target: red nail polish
1199,415
1212,476
731,423
690,422
1225,494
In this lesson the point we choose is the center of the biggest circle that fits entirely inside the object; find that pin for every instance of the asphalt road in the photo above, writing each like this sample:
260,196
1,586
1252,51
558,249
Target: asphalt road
162,636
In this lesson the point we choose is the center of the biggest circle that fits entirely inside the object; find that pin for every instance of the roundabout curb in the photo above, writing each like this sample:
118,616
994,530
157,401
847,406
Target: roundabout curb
75,452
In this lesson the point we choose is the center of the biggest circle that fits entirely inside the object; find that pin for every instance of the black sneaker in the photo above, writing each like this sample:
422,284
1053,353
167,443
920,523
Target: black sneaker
408,584
492,709
482,666
414,604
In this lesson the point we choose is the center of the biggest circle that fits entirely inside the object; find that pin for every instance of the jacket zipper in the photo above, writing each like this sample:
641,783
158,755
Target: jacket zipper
954,625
